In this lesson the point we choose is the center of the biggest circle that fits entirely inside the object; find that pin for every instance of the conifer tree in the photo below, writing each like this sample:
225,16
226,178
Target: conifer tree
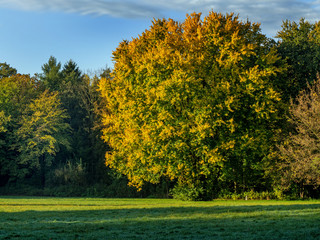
51,76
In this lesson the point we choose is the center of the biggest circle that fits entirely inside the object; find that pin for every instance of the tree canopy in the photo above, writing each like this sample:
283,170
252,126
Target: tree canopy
41,133
6,70
300,46
300,152
192,101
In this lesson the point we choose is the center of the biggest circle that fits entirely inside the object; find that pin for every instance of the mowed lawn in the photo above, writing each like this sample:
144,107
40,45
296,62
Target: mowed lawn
92,218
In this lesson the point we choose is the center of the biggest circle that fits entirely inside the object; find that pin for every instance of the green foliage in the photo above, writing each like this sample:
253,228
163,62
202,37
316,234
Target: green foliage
37,138
6,70
3,122
300,46
42,131
191,102
252,195
73,88
51,76
188,193
16,92
79,97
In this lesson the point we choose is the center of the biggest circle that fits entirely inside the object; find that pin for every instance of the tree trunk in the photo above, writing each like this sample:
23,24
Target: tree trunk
301,190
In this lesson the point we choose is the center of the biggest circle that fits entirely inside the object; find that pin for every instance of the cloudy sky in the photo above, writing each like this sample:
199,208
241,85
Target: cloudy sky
87,31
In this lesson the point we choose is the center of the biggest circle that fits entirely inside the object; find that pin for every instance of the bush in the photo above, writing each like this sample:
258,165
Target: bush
252,195
186,193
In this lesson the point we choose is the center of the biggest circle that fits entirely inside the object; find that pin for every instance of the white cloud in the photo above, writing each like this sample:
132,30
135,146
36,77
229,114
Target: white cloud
270,13
128,9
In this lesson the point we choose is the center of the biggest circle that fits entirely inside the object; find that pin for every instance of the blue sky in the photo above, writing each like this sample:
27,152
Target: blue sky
87,31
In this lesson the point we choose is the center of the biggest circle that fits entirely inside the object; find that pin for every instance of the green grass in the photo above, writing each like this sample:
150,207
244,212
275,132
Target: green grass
79,218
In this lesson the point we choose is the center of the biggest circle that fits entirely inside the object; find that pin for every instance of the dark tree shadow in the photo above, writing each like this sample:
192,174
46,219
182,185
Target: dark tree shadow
217,222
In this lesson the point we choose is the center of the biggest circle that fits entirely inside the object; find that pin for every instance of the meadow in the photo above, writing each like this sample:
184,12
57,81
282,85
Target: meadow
98,218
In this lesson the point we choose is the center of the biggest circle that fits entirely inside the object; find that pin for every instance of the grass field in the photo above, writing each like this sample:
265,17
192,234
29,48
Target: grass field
79,218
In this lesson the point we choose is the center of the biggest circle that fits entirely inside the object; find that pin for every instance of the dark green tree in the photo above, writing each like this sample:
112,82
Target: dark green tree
6,70
78,96
4,147
94,106
299,45
73,87
65,82
51,77
71,73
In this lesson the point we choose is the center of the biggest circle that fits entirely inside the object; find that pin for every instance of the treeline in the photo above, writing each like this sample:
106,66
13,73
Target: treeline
50,134
202,109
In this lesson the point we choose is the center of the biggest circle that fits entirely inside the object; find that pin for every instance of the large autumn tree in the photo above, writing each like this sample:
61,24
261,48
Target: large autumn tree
192,102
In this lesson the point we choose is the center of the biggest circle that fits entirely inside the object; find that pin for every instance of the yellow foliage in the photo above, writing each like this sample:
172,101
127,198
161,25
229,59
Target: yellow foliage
178,96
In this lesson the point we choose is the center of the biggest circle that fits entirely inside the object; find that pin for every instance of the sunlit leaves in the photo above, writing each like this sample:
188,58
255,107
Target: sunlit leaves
186,98
43,130
16,92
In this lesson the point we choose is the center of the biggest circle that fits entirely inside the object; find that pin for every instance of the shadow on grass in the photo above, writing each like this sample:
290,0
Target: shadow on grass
216,222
